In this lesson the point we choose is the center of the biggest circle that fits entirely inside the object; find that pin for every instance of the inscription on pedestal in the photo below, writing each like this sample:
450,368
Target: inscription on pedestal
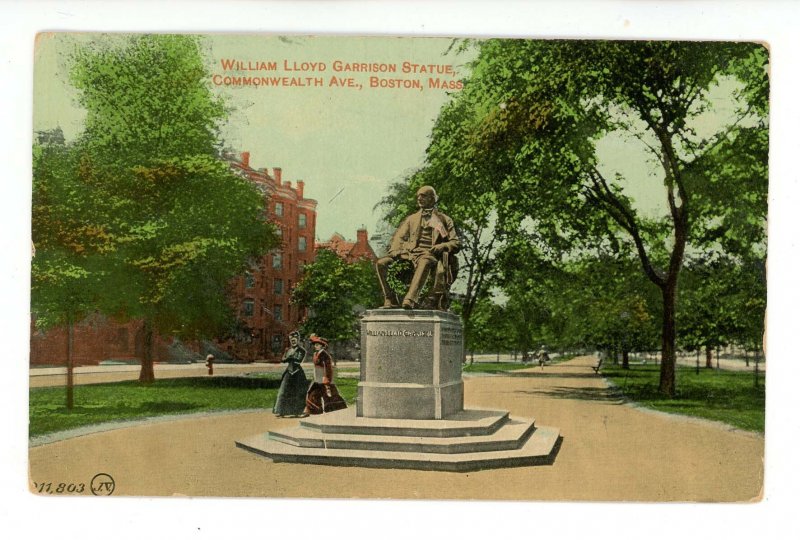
400,333
451,336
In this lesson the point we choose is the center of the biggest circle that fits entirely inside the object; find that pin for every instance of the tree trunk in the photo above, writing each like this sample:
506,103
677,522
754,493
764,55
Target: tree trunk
709,357
755,369
697,362
625,364
666,384
717,356
70,364
615,354
746,358
147,375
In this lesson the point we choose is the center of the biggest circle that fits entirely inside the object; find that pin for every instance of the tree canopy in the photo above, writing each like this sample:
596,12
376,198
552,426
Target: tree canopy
525,136
334,291
173,224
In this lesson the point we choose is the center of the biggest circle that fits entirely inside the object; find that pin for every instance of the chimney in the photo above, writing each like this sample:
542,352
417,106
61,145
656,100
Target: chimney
361,238
300,186
246,159
276,172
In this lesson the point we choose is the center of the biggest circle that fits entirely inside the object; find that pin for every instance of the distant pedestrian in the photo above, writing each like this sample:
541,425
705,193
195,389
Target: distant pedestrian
291,398
210,364
322,395
543,357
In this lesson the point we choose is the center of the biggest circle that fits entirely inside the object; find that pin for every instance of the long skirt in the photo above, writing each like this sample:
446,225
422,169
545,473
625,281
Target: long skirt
292,394
322,398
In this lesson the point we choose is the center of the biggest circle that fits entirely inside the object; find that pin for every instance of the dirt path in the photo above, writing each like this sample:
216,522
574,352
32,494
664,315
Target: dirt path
43,377
610,451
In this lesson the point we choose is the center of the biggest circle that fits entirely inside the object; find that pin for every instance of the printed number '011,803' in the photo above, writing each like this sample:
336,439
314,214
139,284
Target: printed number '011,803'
49,487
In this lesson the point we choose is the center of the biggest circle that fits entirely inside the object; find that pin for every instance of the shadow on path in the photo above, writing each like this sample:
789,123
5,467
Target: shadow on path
550,374
604,395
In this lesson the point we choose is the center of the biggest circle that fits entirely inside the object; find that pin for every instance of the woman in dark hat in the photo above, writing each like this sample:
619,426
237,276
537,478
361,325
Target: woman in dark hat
322,396
292,393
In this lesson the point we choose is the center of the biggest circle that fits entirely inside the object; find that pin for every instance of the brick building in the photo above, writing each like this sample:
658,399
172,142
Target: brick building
94,339
261,297
350,251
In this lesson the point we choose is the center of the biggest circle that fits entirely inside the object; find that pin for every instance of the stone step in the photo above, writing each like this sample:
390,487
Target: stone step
511,435
540,449
463,423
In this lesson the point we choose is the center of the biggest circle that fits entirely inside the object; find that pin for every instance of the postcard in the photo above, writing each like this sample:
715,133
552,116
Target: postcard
398,268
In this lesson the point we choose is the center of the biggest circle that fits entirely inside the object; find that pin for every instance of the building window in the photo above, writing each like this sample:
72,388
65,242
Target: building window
277,312
277,343
279,209
277,261
278,286
249,280
301,243
301,221
248,306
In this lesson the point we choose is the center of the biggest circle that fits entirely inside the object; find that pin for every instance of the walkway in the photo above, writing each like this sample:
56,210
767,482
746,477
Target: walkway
56,376
610,451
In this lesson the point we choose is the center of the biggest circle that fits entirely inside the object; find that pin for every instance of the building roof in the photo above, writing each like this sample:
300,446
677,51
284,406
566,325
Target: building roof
349,251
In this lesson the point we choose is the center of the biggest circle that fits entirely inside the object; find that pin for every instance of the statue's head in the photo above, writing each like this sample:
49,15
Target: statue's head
426,197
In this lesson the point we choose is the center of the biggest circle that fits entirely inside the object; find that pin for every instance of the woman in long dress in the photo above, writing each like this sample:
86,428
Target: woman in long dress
291,399
323,396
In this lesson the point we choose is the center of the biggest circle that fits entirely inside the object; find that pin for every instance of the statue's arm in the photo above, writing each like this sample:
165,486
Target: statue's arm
453,243
400,235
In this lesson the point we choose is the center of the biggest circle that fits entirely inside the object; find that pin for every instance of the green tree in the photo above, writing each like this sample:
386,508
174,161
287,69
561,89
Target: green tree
179,224
538,110
707,307
600,301
621,310
723,301
530,310
489,328
334,292
66,269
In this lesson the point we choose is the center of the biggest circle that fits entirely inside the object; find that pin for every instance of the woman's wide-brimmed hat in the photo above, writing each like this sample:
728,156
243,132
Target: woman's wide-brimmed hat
316,339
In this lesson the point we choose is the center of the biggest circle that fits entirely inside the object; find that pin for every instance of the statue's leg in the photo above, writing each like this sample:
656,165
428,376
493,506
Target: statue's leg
389,296
424,265
440,296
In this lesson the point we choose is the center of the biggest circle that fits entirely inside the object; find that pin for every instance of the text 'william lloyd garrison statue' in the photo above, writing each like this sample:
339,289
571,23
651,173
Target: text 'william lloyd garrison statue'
428,239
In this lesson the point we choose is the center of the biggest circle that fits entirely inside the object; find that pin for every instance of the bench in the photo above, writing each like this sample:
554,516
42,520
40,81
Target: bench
597,367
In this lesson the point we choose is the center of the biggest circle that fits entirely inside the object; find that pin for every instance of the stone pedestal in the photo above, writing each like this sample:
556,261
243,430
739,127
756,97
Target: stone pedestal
411,365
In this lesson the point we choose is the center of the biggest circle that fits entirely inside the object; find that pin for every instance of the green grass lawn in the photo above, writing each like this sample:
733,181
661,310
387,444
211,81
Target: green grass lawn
130,400
725,396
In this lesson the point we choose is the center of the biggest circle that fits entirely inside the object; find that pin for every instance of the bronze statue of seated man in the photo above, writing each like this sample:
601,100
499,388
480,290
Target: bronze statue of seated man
429,240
